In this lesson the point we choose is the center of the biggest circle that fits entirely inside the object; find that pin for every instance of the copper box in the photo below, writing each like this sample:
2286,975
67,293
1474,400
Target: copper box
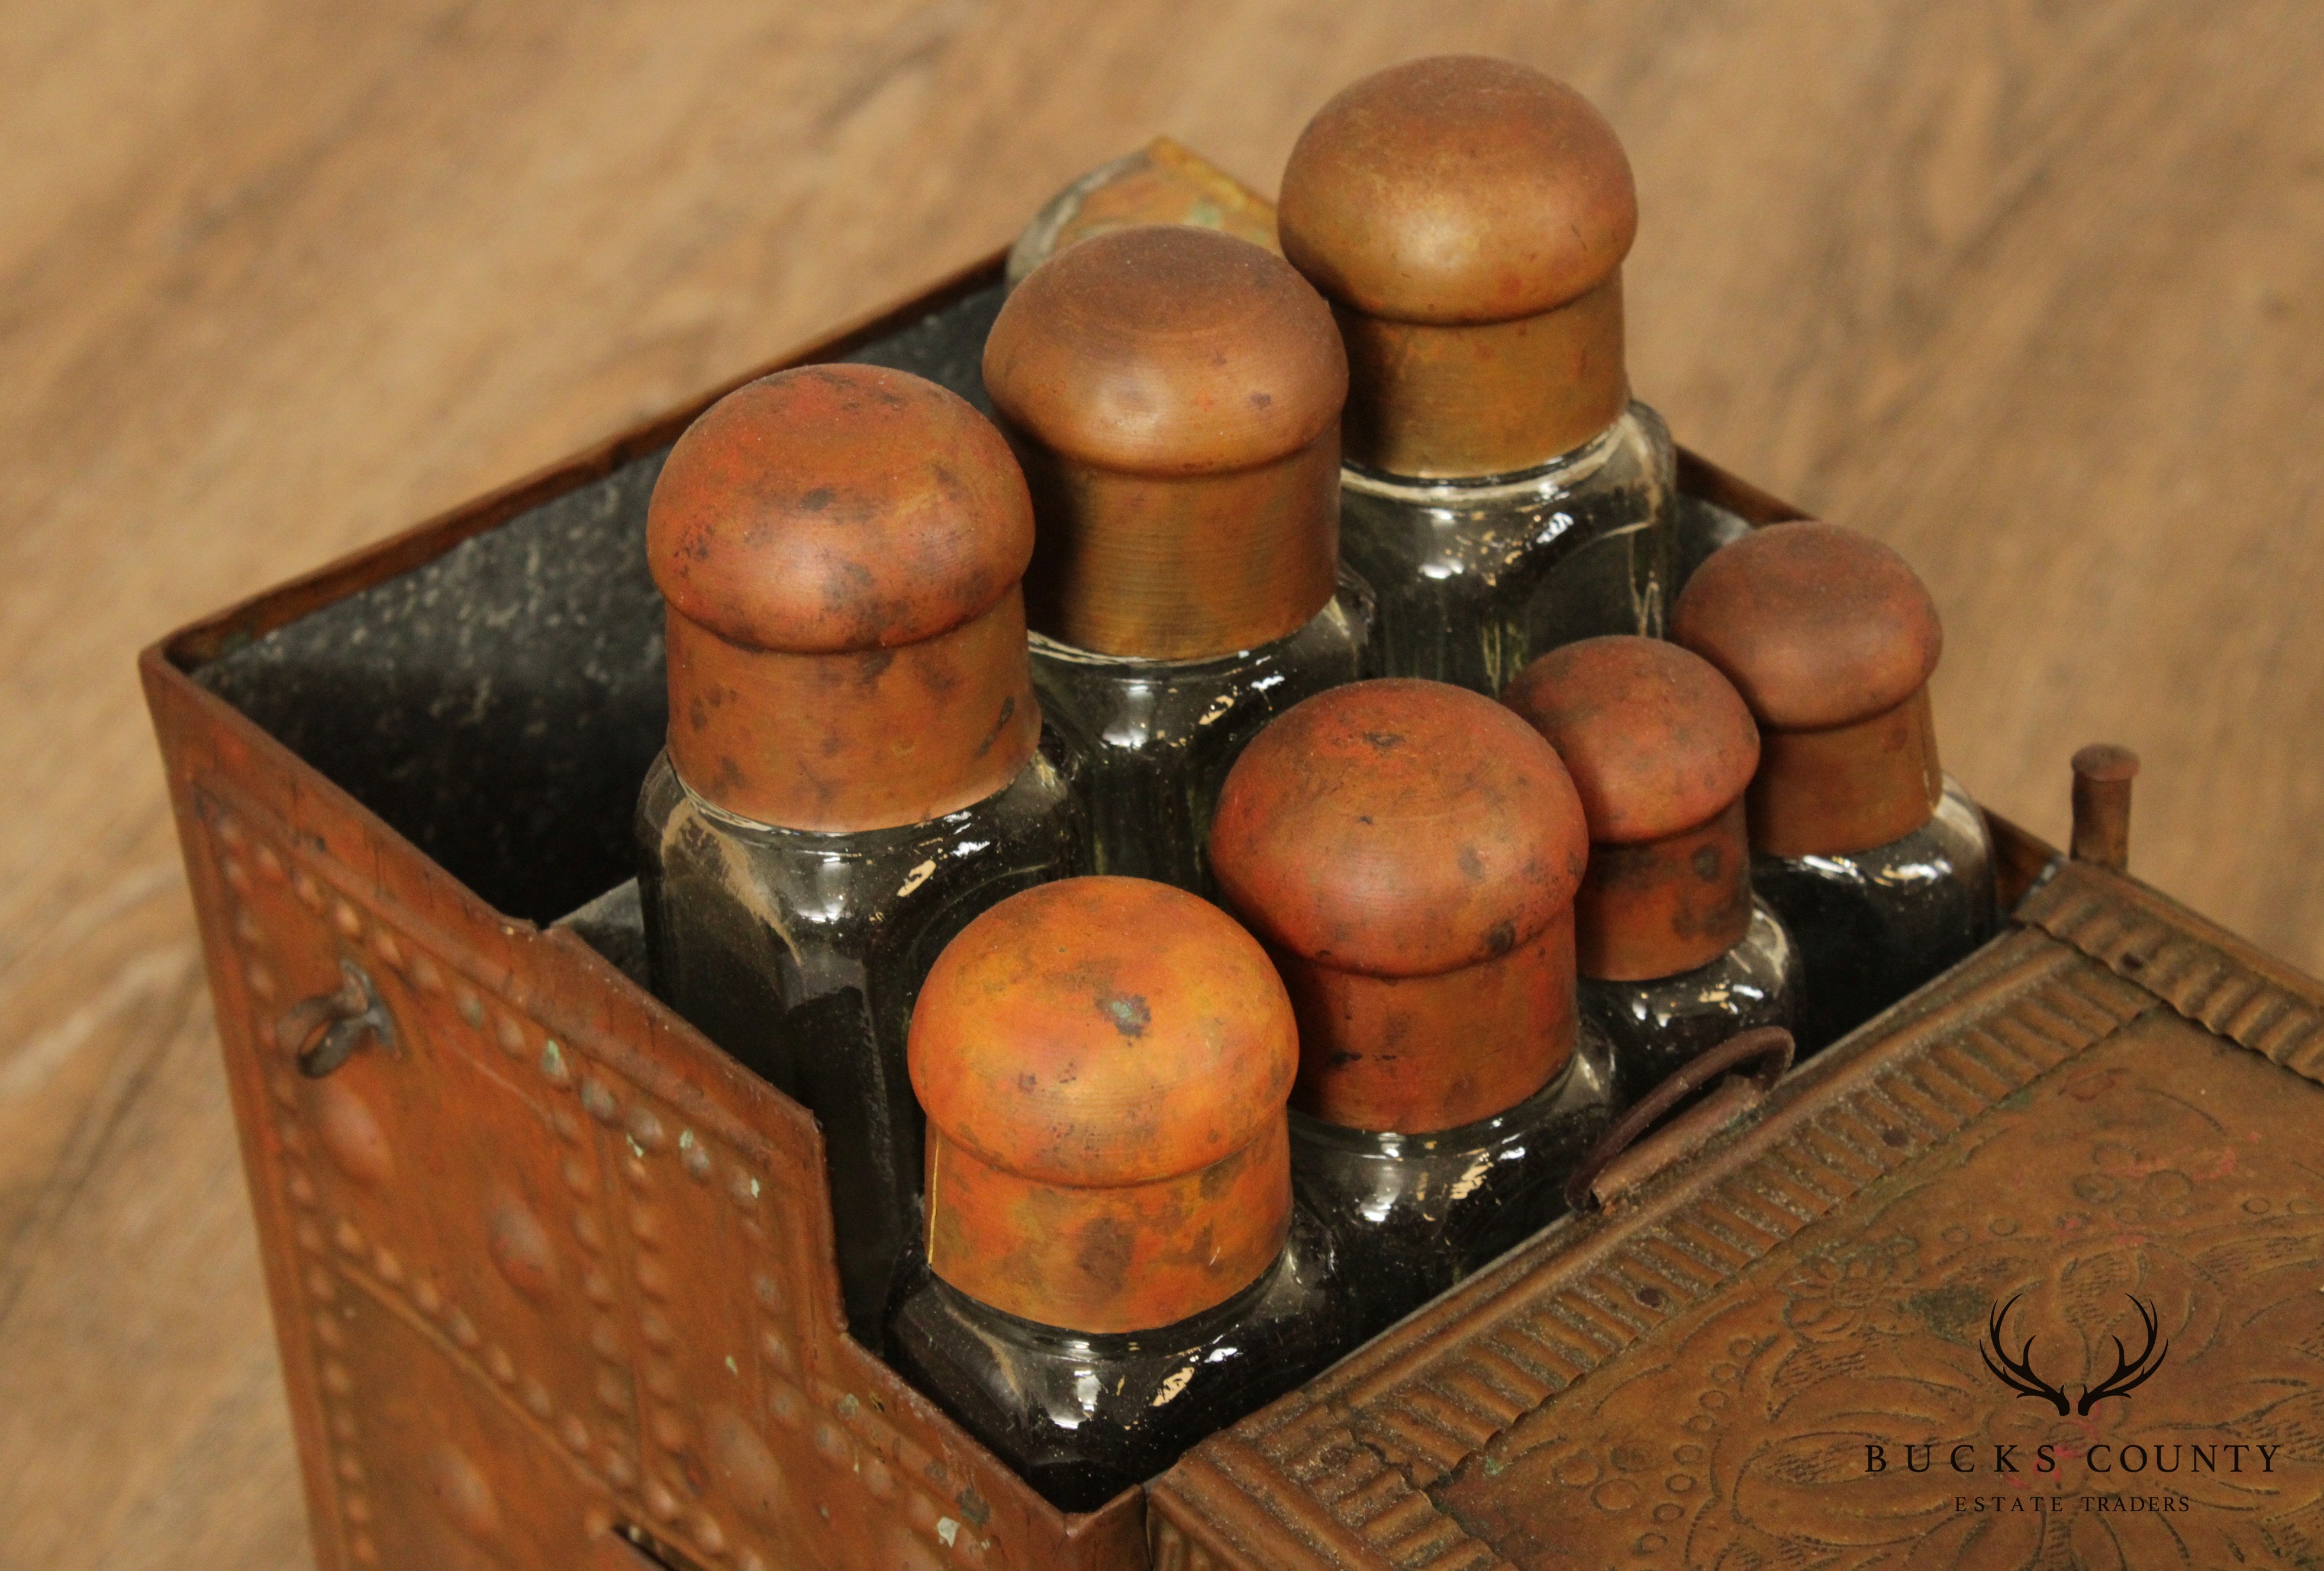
553,1278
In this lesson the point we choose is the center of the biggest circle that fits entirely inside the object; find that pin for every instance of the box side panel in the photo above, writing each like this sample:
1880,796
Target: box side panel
545,1264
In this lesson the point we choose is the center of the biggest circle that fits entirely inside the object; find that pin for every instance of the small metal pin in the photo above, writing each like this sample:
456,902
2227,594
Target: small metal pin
2102,776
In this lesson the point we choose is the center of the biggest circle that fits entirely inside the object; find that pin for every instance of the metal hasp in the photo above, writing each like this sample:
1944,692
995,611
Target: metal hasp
343,1017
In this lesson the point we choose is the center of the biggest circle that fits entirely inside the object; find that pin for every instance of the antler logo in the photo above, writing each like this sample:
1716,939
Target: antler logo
2017,1373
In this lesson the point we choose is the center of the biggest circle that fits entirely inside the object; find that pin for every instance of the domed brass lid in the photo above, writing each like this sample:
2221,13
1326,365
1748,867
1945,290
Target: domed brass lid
1398,827
840,548
837,507
1468,218
1661,748
1656,739
1815,623
1174,394
1459,188
1832,639
1104,1064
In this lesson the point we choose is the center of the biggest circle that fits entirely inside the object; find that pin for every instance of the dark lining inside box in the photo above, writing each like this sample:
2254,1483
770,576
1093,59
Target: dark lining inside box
499,705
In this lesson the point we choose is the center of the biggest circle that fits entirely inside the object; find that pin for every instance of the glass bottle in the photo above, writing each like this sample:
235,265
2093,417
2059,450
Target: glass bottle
1468,218
1409,851
1175,396
1163,182
1675,954
1881,866
856,764
1115,1266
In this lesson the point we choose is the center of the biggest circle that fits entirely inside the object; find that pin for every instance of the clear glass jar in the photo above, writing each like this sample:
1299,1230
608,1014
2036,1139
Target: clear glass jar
1411,1215
1082,1417
1657,1026
1157,737
801,954
1871,926
1476,576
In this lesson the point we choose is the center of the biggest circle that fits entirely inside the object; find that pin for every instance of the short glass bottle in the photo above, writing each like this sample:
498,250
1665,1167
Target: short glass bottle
1874,925
1115,1267
1184,587
1408,851
1081,1416
1503,494
1418,1213
857,765
1675,954
1656,1027
1880,865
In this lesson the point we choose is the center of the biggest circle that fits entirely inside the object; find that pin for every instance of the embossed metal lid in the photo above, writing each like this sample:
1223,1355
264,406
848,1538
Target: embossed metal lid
1816,624
1175,395
837,507
1398,827
1104,1064
1468,217
840,547
1656,739
1978,1288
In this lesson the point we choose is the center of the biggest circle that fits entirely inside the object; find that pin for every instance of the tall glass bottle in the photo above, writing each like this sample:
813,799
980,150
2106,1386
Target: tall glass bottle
856,764
1468,218
1675,954
1408,851
1879,865
1175,396
1115,1266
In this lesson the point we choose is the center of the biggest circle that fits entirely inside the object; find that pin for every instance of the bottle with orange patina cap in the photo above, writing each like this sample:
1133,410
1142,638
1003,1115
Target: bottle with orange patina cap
1115,1266
1675,954
1877,861
1175,394
1468,218
1408,851
857,765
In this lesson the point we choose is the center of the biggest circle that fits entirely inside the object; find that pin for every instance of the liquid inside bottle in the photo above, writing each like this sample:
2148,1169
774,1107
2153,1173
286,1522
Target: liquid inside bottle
1476,577
1084,1416
1656,1027
1874,925
1157,737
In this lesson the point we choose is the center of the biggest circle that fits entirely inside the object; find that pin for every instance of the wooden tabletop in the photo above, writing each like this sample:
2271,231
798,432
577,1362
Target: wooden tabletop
2036,292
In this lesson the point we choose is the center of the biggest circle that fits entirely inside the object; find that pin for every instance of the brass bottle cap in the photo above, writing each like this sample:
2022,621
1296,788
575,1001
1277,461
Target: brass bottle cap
1468,218
1661,748
1175,394
1103,1063
1831,638
840,547
1409,852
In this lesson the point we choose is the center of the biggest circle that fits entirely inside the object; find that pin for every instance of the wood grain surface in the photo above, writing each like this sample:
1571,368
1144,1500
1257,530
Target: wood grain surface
2033,291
